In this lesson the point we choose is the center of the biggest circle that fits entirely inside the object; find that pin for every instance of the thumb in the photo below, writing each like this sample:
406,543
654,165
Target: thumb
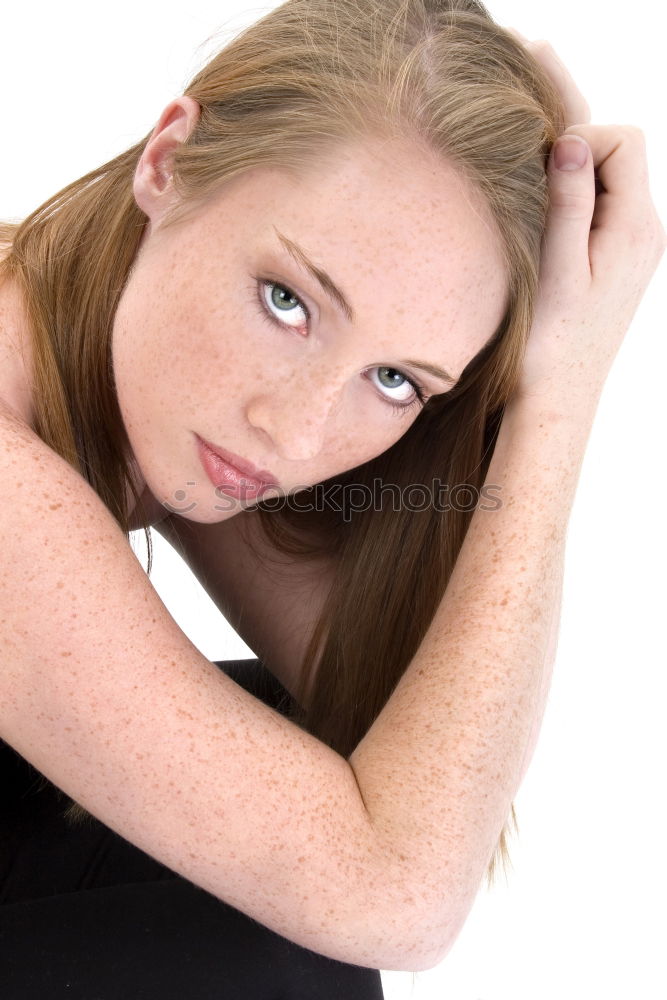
571,205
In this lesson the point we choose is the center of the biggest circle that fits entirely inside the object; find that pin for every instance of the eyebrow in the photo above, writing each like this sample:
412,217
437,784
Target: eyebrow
324,280
431,369
328,285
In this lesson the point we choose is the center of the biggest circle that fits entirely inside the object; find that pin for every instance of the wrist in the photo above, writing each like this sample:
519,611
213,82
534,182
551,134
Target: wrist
573,414
540,442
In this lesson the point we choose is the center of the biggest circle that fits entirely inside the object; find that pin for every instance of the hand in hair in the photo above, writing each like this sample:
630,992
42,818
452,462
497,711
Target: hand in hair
602,244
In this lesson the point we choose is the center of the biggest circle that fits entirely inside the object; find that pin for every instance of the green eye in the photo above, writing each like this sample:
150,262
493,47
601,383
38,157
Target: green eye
394,380
282,298
409,393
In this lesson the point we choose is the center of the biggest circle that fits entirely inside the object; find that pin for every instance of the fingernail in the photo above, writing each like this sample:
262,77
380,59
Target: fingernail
570,153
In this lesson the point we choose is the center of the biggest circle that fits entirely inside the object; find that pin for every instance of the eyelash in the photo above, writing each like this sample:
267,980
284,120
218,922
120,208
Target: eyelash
400,408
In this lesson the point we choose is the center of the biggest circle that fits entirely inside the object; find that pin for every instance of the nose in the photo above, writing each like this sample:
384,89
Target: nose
296,422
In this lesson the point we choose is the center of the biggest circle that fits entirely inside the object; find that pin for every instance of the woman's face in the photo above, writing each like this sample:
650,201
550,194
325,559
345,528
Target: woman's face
220,333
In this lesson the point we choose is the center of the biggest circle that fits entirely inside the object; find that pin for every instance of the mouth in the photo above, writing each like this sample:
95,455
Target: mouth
232,474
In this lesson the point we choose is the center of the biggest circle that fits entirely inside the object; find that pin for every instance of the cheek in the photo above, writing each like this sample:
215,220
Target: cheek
366,438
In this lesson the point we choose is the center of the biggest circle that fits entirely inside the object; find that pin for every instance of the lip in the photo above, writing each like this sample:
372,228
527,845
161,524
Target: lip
232,473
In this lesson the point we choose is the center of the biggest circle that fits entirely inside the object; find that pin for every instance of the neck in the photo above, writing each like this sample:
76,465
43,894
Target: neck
155,512
15,354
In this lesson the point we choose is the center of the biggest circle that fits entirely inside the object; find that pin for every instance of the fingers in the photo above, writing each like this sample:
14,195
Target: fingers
571,204
577,110
591,235
624,211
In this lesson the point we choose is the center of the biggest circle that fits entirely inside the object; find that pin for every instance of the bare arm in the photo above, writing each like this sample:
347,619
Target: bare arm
376,860
441,764
104,694
463,719
546,675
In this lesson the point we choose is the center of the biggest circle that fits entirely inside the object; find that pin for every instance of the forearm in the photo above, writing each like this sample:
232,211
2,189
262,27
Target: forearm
440,766
546,676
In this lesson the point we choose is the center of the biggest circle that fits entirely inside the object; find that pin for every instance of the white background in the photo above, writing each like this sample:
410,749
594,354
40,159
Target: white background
582,915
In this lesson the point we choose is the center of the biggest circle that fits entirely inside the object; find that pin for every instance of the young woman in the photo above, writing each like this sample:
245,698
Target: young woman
316,328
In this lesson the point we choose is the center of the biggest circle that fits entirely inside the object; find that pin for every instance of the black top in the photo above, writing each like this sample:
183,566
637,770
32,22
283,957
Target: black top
86,915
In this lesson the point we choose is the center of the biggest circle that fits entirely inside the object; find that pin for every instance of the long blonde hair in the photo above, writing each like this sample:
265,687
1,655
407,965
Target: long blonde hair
308,75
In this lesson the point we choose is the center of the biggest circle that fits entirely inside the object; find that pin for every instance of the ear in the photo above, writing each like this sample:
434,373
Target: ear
153,188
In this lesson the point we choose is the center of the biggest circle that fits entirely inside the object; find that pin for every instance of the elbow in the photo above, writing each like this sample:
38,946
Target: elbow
415,953
432,914
418,961
413,914
427,948
412,935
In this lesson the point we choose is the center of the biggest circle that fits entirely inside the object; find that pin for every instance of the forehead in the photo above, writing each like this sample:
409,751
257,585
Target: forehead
399,229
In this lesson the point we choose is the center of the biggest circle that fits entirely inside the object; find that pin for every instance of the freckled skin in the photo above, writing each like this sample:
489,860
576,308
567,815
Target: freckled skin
268,817
192,353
